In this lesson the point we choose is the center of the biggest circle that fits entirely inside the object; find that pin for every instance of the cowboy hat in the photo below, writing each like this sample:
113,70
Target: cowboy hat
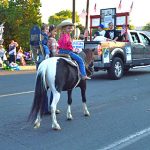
65,23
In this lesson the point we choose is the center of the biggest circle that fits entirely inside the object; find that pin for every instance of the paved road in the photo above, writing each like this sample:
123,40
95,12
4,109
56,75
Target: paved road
120,115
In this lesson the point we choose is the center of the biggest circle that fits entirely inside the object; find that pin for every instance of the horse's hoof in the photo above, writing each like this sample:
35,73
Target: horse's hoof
36,125
58,111
86,114
56,127
69,116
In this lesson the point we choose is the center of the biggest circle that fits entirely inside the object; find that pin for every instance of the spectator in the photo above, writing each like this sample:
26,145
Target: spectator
3,57
52,43
12,51
21,56
46,51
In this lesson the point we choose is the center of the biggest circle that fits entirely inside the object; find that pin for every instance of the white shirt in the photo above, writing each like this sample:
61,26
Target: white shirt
2,52
111,35
102,33
100,38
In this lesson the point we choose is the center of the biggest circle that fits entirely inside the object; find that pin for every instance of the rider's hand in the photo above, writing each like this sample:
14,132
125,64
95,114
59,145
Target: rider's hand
77,50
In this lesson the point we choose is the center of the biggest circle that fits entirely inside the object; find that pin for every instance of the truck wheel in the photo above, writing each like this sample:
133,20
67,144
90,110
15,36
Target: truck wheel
117,69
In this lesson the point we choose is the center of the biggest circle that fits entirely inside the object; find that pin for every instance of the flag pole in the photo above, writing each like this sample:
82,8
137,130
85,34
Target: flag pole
73,16
87,16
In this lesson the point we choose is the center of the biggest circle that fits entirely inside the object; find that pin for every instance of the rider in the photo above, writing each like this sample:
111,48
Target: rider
65,46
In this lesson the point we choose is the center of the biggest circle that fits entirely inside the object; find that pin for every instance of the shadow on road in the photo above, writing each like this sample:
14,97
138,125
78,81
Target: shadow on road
104,76
100,76
136,73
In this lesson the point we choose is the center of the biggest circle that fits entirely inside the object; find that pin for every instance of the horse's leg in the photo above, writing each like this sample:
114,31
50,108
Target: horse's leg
69,115
51,99
83,91
56,97
37,122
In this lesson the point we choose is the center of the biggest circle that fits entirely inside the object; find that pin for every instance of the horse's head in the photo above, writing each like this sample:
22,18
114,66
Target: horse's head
89,58
89,55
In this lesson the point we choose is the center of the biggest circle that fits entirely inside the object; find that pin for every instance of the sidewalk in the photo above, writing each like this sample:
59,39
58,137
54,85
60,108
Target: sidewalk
23,70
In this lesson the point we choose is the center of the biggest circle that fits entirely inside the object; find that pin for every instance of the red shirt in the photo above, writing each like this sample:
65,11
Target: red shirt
65,42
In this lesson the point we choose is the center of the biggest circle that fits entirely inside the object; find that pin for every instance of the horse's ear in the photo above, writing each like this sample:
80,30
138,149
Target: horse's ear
85,50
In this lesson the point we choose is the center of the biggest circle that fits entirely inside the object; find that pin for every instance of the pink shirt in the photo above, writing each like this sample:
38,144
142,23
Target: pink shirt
65,42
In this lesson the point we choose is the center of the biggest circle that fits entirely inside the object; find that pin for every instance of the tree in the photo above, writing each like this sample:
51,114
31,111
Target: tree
62,15
147,27
4,3
19,16
57,18
131,27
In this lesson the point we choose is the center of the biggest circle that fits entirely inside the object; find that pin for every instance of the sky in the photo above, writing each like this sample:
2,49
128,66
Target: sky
140,14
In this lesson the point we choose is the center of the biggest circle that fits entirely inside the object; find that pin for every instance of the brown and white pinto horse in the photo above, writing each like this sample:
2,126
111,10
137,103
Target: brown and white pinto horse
58,75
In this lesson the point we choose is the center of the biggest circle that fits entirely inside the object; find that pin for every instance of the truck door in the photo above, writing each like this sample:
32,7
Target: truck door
146,42
137,48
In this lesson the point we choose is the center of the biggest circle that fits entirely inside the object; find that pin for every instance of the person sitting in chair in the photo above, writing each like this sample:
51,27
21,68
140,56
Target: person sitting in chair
53,47
101,30
98,37
52,43
44,36
111,33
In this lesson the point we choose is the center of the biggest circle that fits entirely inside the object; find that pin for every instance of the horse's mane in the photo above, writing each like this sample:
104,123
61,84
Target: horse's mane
89,55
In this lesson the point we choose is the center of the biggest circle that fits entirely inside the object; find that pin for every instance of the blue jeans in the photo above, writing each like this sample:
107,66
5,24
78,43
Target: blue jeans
77,58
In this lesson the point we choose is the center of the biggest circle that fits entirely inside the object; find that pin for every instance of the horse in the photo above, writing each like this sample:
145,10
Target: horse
58,74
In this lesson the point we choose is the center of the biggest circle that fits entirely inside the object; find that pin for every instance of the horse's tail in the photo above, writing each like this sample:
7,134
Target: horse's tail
40,93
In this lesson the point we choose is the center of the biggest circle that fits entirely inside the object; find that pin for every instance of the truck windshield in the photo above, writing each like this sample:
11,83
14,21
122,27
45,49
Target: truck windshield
135,37
145,39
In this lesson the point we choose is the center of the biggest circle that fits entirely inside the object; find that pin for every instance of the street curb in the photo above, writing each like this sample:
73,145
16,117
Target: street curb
23,70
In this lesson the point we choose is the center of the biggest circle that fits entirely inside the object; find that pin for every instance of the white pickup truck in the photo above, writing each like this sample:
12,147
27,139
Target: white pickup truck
118,57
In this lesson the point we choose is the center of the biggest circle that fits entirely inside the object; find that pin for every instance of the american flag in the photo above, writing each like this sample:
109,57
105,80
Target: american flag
119,6
83,14
131,7
95,8
86,32
124,30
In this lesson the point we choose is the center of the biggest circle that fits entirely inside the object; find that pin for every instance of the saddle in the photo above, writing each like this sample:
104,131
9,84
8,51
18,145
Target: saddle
63,55
68,59
72,62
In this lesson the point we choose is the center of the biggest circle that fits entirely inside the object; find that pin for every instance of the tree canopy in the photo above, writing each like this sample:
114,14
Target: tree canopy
147,27
62,15
57,18
19,16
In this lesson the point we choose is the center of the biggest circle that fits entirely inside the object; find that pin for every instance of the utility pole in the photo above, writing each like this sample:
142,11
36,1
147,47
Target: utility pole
73,15
87,18
87,14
